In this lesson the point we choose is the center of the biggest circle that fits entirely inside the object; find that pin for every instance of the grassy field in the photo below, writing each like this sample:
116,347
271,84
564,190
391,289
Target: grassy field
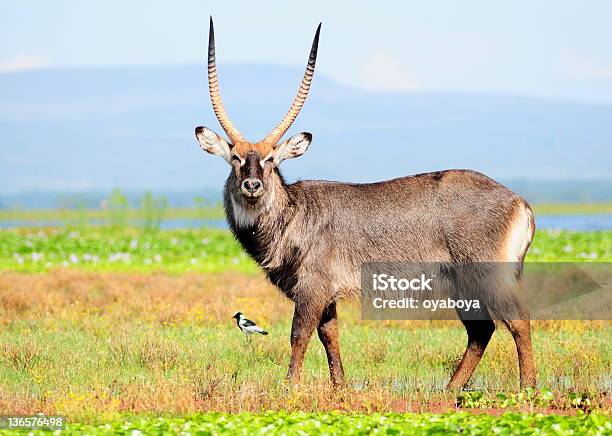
572,208
90,344
100,324
210,250
81,216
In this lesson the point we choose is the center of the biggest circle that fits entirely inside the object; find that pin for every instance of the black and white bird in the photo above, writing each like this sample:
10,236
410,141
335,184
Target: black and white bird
247,326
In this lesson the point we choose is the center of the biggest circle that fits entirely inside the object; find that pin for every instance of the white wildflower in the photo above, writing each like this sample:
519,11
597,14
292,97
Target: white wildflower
119,257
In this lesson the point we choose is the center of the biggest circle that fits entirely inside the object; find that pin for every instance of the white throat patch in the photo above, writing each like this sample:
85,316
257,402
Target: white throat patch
247,216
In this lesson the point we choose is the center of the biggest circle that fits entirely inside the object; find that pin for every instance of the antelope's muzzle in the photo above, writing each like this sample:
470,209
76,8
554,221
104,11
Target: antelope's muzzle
252,187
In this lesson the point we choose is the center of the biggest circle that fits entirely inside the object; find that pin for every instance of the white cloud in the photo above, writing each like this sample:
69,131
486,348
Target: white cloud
22,63
588,68
385,72
597,70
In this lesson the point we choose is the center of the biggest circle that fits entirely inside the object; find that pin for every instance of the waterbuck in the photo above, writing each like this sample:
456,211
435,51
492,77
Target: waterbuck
312,237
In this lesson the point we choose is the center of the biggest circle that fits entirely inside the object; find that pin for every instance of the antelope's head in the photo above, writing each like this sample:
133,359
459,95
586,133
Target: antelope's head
254,163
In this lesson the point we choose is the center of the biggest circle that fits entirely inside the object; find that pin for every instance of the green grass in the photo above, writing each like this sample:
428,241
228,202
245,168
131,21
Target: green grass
210,250
106,249
567,246
353,424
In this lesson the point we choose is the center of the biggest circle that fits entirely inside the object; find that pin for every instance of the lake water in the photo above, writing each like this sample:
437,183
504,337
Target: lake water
559,222
575,222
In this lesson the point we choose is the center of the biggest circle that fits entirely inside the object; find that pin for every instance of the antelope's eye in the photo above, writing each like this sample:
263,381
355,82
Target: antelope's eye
264,162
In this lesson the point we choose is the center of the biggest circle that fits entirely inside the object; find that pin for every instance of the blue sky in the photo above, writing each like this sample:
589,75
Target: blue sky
544,48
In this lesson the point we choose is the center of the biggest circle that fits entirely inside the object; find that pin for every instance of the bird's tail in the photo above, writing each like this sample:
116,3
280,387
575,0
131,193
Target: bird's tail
263,332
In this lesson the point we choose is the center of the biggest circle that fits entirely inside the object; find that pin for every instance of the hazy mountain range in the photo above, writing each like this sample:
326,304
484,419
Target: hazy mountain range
132,127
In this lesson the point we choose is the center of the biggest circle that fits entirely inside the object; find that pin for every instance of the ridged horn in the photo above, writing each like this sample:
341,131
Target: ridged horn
213,86
275,135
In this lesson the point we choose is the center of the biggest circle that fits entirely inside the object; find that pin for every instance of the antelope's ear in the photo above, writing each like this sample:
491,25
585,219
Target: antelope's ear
213,143
293,147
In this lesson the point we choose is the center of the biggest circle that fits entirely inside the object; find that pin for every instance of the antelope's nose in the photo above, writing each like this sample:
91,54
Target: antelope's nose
252,186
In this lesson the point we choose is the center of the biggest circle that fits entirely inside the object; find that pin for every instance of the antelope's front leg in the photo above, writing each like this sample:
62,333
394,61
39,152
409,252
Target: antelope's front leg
306,318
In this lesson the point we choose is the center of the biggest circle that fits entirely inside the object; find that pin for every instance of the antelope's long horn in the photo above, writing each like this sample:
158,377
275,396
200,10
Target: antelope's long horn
275,135
213,86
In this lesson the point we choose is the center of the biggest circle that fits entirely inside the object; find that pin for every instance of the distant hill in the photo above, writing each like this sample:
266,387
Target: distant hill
95,129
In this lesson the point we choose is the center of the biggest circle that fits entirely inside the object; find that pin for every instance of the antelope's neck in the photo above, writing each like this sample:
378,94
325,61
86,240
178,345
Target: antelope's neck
255,227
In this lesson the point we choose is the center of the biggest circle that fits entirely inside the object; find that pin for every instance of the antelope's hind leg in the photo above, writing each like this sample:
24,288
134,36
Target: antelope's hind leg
521,332
479,334
329,336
